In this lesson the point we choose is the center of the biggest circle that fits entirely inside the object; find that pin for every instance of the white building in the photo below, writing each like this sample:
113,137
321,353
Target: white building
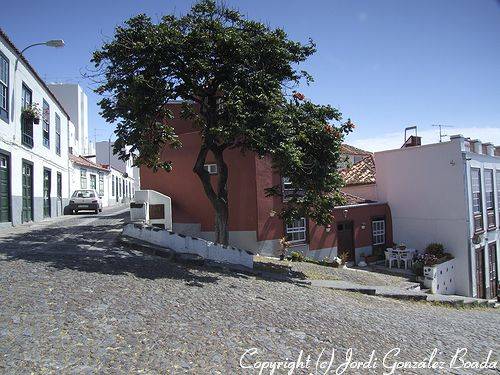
128,174
33,154
448,193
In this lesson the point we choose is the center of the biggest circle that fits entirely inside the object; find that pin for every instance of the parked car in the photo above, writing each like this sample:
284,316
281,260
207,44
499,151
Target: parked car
85,200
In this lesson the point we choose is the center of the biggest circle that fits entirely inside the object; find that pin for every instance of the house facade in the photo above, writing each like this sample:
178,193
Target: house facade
126,174
34,180
356,228
449,193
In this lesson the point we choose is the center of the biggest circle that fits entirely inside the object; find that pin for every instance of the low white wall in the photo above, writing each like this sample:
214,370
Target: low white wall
192,245
440,278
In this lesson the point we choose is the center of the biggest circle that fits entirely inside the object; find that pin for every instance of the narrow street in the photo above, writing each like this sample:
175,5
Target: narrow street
73,300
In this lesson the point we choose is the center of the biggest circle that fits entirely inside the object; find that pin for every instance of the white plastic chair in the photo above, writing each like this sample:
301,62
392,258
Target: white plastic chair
391,257
407,258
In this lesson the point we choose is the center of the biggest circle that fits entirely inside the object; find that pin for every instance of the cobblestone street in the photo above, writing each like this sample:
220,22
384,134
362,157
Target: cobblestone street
73,300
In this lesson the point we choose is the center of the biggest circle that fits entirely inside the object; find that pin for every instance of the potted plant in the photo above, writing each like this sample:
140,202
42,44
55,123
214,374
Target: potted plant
344,258
284,247
31,113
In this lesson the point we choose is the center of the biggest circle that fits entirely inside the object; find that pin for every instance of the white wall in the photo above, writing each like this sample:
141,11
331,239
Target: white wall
425,189
40,156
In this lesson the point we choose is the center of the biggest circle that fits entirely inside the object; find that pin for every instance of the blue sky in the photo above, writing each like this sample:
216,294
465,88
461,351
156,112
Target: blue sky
386,64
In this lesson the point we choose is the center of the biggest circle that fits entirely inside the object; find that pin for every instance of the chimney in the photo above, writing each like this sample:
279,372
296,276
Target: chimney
497,151
488,149
413,141
476,146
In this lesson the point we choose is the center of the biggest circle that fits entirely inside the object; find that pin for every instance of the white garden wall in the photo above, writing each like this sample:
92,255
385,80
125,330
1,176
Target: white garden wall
191,245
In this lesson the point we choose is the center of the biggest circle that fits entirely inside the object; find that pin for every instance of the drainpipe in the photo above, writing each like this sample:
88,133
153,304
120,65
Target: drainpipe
469,236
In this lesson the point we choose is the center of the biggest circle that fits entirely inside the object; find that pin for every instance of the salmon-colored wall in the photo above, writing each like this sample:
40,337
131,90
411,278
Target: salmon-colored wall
320,239
249,208
189,202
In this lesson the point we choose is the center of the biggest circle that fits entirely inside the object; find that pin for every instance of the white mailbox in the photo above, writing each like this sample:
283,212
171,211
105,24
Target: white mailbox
152,207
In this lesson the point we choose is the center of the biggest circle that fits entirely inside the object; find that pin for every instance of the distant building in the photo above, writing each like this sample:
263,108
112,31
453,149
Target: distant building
130,178
360,178
34,181
449,193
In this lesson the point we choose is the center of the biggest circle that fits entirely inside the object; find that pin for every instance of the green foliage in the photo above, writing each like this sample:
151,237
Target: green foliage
296,256
436,249
237,77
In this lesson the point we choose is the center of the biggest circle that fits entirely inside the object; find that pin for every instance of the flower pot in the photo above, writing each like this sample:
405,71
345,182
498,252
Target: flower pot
36,120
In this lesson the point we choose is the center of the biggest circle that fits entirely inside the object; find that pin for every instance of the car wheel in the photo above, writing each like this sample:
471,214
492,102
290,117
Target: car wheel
96,211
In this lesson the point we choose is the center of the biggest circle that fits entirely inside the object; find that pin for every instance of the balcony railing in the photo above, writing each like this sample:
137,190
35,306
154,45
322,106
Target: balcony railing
490,213
478,222
27,140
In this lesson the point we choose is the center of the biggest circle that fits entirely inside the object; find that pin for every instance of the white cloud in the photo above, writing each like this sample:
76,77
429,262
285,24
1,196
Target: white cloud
390,141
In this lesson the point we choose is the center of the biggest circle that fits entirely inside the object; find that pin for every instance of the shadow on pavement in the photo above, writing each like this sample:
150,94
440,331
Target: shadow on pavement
92,248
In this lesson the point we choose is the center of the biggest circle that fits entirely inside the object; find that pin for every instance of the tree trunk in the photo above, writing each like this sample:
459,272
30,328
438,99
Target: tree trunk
217,199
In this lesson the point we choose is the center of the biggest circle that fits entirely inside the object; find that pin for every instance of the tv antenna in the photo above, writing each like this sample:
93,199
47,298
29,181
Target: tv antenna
441,135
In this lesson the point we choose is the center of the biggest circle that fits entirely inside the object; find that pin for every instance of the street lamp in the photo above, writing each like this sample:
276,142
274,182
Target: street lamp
56,43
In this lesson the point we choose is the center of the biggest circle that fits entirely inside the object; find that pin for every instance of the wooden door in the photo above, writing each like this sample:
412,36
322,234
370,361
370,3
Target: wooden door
480,273
492,273
46,192
4,188
345,239
27,184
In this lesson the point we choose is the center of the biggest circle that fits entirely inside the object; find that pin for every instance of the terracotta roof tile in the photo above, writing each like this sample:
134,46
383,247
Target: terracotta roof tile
351,199
80,160
360,173
351,150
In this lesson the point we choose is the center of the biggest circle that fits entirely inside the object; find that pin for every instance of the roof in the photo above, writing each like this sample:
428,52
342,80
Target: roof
351,199
351,150
33,71
360,173
80,160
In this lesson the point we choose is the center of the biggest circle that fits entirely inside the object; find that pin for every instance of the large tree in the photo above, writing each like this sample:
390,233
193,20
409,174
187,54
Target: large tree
238,79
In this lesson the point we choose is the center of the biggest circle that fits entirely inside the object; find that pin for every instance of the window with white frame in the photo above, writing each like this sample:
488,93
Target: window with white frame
476,190
46,124
83,178
287,186
58,135
101,184
498,185
296,230
378,231
211,168
488,189
4,88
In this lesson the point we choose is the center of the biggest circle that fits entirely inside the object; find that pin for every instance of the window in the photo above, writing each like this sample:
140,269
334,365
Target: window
101,184
378,231
4,88
83,194
490,197
211,168
59,185
296,231
46,124
498,185
113,185
93,181
476,199
289,190
26,124
58,135
83,178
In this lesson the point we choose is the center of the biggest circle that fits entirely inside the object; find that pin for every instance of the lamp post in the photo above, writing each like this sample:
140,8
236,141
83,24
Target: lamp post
56,43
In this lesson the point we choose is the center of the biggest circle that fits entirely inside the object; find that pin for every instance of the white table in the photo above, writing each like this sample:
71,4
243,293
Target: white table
398,252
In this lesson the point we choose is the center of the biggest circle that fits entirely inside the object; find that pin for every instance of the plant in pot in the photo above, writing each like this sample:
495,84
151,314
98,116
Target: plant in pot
344,258
284,247
31,113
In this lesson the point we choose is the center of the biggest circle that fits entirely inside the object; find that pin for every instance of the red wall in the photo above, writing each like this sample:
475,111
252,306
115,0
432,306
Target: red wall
320,239
249,208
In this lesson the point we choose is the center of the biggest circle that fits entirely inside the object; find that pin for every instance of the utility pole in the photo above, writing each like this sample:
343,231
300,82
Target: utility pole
441,135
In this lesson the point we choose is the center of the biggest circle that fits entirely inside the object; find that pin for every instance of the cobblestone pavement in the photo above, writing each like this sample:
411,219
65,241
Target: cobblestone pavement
74,301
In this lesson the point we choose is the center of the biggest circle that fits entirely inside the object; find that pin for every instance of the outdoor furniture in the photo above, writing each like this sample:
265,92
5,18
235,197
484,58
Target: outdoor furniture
406,257
401,256
390,257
